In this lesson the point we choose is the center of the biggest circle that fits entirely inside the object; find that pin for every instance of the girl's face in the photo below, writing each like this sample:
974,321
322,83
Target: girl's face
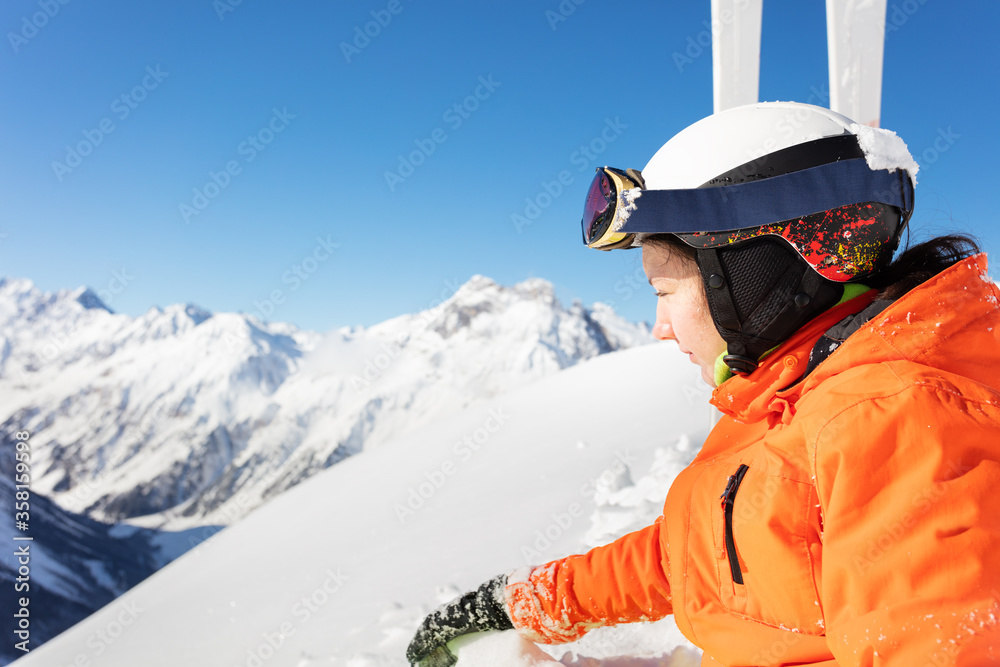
682,313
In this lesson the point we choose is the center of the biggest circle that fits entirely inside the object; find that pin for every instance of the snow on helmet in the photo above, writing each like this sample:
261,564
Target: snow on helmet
783,203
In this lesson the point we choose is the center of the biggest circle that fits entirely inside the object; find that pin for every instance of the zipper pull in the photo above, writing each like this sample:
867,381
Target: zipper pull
729,495
730,486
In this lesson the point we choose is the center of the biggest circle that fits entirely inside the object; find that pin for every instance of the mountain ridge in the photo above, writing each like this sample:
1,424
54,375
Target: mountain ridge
165,418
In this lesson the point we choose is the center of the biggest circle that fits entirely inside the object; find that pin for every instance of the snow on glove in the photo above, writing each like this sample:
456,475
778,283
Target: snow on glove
477,611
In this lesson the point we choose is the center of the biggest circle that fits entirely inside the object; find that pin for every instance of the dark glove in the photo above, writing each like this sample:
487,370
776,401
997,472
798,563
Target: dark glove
480,610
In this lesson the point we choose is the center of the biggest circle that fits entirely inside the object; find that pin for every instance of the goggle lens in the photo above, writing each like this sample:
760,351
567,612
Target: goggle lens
596,208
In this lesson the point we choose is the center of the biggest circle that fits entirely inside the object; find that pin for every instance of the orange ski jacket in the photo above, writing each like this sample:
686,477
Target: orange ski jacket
849,517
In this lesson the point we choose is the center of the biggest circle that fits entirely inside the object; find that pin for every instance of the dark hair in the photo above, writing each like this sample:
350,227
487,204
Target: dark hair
916,264
670,241
922,262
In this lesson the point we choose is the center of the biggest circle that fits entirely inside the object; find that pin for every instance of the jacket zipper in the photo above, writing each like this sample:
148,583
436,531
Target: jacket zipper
728,498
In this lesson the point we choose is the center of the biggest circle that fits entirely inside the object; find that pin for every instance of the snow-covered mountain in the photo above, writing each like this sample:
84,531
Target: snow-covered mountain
76,564
182,417
340,569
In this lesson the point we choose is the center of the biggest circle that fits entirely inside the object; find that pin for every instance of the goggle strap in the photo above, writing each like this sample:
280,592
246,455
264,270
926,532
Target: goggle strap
763,202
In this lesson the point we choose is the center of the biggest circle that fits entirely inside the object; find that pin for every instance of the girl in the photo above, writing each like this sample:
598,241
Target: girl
840,513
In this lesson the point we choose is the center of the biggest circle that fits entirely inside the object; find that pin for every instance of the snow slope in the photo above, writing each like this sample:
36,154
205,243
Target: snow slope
185,417
340,569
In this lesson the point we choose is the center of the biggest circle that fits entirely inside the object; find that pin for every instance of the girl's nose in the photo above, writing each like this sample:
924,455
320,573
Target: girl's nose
662,330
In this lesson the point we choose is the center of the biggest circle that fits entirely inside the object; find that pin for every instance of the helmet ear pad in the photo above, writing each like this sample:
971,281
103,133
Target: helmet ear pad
759,293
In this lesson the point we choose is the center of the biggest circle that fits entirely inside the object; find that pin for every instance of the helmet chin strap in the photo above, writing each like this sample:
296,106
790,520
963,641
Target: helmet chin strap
759,293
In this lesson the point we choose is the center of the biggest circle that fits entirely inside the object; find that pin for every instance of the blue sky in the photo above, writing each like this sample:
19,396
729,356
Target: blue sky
235,155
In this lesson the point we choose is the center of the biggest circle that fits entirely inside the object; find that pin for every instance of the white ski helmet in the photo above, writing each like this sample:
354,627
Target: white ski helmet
782,202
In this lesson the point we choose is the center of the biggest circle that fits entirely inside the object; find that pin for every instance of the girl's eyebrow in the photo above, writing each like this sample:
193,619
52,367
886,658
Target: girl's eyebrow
650,280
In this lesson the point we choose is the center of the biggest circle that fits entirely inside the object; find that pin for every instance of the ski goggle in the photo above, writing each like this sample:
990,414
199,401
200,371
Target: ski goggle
602,204
618,206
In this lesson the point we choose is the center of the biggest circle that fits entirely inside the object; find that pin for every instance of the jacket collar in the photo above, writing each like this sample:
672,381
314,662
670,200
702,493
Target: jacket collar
748,398
915,327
